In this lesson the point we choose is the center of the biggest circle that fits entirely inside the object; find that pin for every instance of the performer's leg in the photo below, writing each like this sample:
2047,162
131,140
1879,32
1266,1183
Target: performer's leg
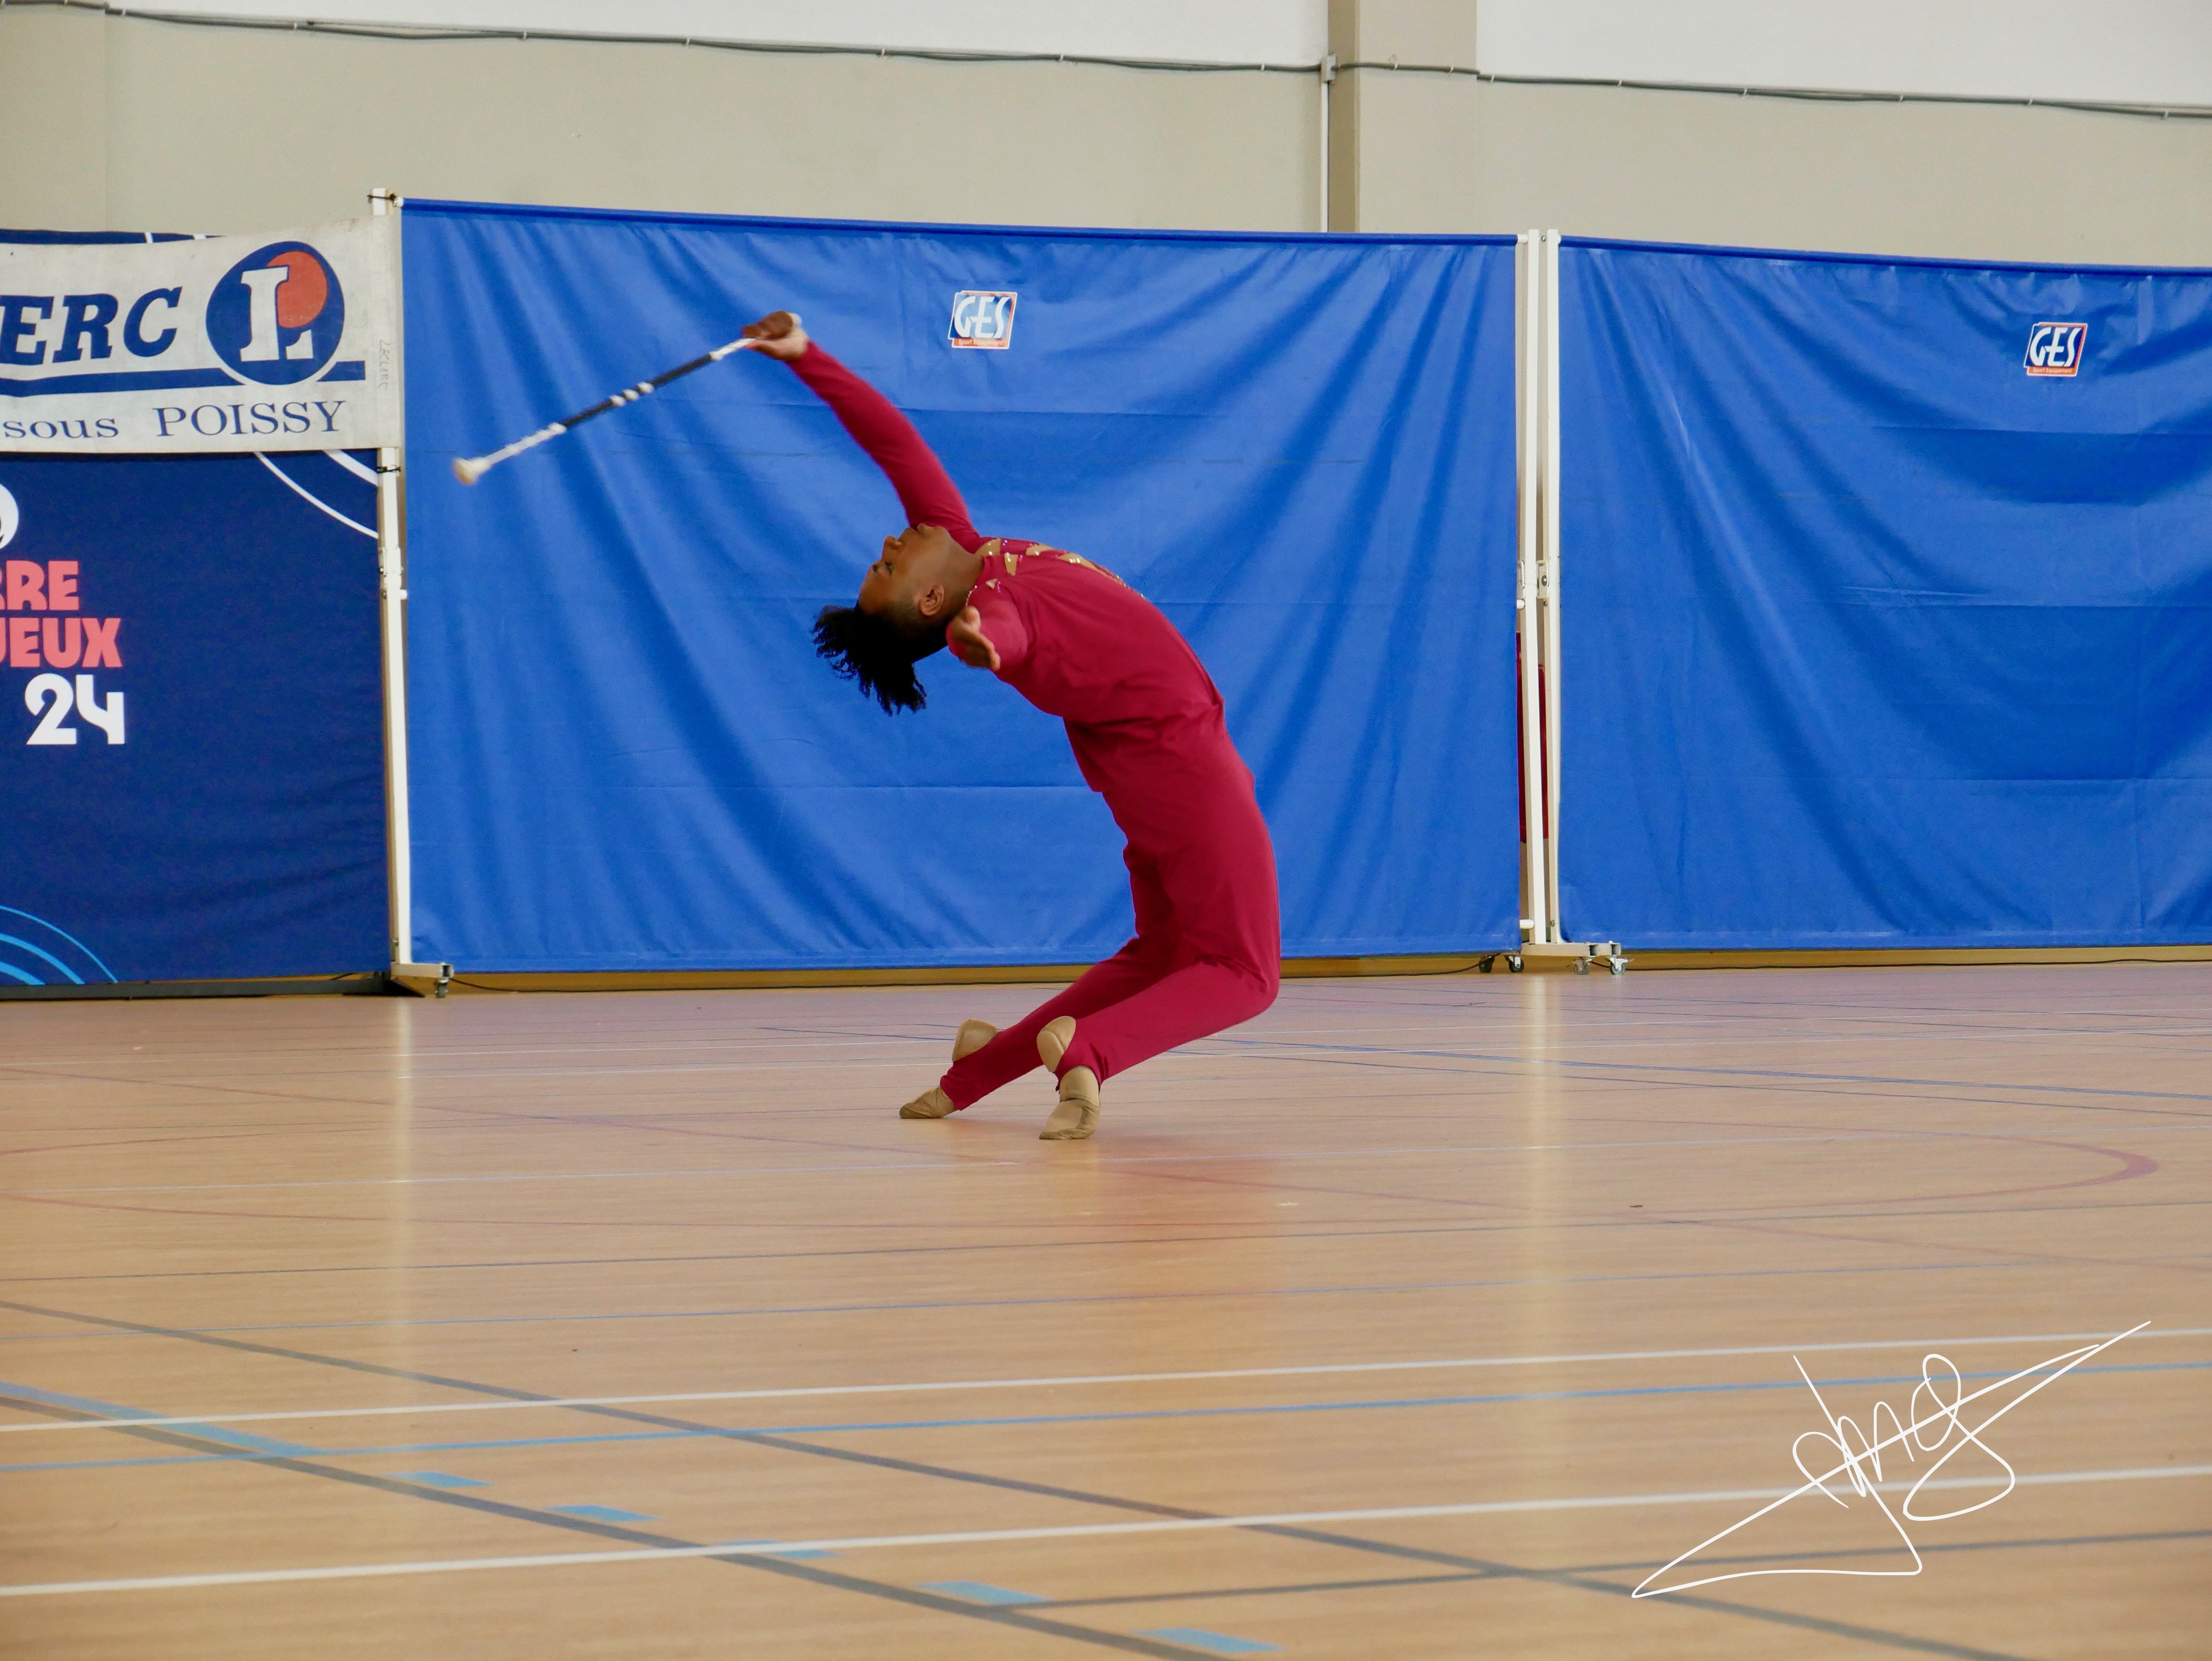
1228,958
1130,971
1194,1002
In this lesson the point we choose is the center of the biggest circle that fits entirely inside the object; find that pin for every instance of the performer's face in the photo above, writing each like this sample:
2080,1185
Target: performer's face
910,581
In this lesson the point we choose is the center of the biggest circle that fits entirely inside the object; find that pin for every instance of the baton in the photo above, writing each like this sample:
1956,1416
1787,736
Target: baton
470,469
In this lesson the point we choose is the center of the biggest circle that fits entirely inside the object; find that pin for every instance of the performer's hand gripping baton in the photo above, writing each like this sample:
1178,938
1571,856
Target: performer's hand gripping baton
470,469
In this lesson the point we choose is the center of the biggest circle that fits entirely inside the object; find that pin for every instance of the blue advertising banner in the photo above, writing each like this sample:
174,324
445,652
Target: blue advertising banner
625,754
191,777
1887,613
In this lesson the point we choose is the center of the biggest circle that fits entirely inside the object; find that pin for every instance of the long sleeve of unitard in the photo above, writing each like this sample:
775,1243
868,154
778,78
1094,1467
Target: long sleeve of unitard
925,490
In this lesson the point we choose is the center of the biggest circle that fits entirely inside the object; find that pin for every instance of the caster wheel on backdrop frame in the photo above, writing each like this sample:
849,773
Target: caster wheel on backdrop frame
1582,956
1482,965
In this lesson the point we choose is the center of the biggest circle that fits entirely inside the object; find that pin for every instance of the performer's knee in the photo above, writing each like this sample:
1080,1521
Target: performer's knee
1258,984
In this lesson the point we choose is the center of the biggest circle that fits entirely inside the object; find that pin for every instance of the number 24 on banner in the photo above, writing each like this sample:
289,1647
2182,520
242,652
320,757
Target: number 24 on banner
50,697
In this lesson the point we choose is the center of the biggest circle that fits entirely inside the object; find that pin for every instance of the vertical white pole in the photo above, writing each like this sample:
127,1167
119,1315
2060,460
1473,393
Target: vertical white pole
391,588
1536,901
1549,581
1328,80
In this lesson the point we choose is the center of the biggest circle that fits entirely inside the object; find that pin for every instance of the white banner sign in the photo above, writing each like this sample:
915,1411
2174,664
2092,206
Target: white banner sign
284,342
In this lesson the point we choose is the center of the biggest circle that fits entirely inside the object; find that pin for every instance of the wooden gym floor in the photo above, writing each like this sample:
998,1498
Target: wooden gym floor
1422,1317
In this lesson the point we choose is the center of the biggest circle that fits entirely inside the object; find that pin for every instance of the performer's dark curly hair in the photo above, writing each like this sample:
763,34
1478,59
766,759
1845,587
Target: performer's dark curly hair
878,653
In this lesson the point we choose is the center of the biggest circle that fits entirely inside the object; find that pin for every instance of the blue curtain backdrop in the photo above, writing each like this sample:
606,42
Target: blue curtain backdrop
624,754
1872,637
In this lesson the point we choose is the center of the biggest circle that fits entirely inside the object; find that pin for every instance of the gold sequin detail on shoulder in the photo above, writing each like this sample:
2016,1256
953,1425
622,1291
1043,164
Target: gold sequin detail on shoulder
1078,559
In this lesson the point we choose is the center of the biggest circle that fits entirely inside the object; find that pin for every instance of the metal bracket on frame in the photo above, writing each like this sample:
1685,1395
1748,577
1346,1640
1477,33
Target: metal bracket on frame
442,973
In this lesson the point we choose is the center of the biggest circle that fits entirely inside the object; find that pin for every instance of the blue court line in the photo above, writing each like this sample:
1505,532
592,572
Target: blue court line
1024,1303
976,1593
237,1439
122,1464
604,1513
429,1479
1721,1071
1434,1229
1213,1643
1270,1410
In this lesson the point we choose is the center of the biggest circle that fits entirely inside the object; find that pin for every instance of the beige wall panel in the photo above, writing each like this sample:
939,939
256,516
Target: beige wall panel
1973,181
53,137
1414,31
229,129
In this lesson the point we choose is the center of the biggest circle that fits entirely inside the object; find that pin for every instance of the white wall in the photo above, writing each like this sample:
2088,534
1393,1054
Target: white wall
132,124
1197,31
2121,52
1430,152
129,123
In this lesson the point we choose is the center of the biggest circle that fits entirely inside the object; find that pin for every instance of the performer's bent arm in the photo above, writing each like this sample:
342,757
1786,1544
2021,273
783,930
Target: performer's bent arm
925,490
920,594
991,636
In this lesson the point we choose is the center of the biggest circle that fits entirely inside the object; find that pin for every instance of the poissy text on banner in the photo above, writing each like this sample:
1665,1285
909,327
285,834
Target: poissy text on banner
288,341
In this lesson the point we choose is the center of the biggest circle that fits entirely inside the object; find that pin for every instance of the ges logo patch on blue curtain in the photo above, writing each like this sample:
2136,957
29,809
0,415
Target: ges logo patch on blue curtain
984,317
2055,347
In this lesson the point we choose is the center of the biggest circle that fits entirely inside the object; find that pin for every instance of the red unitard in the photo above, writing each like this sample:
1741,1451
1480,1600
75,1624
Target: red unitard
1146,724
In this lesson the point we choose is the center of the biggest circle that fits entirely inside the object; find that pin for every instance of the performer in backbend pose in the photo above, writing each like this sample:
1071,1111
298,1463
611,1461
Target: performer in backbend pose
1146,724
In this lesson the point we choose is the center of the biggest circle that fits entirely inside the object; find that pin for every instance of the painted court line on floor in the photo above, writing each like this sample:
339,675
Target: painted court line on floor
1213,1643
992,1536
1316,1370
1389,1404
975,1592
437,1479
1196,1156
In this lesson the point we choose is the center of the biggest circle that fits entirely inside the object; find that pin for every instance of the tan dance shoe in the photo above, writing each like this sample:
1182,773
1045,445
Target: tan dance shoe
934,1102
1077,1116
1053,1040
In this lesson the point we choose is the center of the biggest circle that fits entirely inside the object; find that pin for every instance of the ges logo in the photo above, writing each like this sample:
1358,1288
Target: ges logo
982,318
277,315
2055,347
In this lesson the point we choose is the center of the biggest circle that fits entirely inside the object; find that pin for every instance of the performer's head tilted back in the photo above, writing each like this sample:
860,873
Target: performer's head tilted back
899,618
920,581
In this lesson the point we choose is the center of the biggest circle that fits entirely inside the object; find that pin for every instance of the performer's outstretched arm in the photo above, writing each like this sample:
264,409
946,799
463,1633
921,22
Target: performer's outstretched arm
926,491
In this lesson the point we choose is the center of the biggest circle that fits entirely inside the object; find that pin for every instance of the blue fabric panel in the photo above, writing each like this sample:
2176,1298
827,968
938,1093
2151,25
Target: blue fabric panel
237,829
1872,638
625,754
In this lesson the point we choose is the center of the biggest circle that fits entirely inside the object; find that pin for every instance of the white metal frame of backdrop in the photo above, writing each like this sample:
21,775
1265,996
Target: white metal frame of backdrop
1536,360
391,600
1536,601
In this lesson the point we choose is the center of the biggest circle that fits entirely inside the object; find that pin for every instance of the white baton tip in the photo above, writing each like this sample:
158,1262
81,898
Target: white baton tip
468,471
